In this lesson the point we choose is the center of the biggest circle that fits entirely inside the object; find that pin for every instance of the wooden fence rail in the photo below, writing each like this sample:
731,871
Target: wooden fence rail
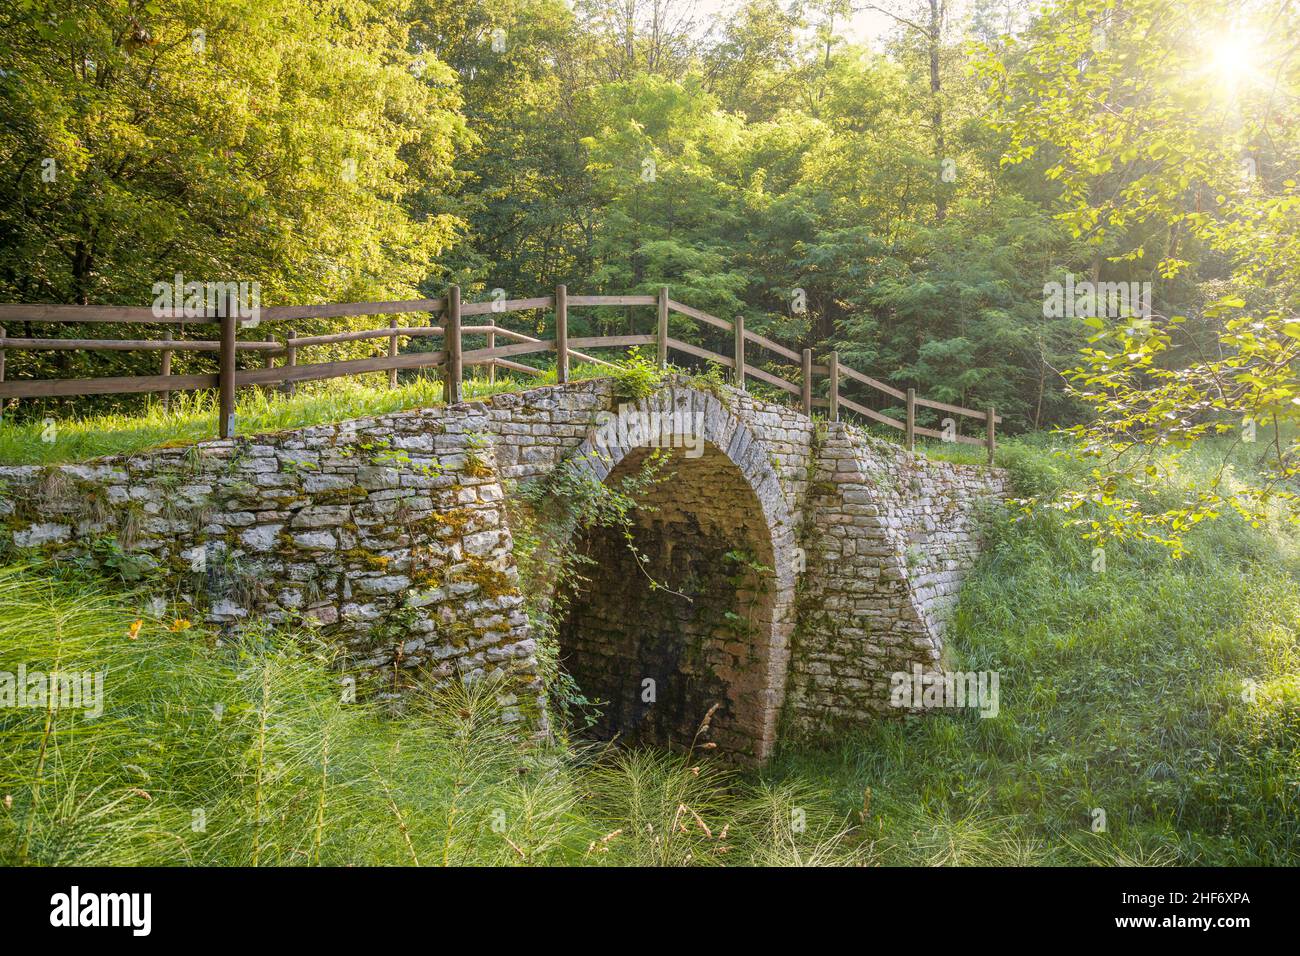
451,359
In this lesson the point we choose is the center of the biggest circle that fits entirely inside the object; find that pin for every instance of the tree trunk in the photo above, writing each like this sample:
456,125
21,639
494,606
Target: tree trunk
936,115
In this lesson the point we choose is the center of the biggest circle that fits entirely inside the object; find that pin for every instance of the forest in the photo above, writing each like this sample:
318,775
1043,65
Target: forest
905,196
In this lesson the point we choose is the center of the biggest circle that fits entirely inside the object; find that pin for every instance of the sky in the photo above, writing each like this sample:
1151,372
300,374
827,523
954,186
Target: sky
866,27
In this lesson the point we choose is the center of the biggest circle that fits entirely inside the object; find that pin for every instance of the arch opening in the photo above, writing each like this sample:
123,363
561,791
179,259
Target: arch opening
685,618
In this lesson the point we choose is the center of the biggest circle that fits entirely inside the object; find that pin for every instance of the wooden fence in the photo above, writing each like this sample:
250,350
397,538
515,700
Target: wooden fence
448,324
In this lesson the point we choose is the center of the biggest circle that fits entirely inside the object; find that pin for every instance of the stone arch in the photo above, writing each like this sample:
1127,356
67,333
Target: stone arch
722,632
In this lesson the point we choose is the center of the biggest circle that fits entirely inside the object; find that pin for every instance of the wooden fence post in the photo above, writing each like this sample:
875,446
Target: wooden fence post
835,386
451,343
392,353
991,440
561,334
167,369
2,370
226,375
807,382
911,420
290,358
661,330
492,344
739,326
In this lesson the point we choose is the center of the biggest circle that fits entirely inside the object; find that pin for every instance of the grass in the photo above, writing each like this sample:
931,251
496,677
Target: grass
192,416
1163,694
246,753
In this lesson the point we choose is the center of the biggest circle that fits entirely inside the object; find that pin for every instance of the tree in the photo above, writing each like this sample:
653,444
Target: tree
1171,121
668,211
927,21
271,141
275,142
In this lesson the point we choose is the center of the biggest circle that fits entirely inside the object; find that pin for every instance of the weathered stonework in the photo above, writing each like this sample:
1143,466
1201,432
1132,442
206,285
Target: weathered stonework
891,538
391,534
388,533
703,633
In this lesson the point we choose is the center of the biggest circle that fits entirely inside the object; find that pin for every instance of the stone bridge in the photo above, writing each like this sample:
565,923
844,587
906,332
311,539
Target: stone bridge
782,568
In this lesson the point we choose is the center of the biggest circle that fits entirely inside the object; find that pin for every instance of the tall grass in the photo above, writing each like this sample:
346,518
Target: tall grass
1164,693
244,752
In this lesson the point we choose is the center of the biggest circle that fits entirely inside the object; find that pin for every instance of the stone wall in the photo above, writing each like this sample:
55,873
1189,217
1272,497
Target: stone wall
892,537
387,533
391,535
